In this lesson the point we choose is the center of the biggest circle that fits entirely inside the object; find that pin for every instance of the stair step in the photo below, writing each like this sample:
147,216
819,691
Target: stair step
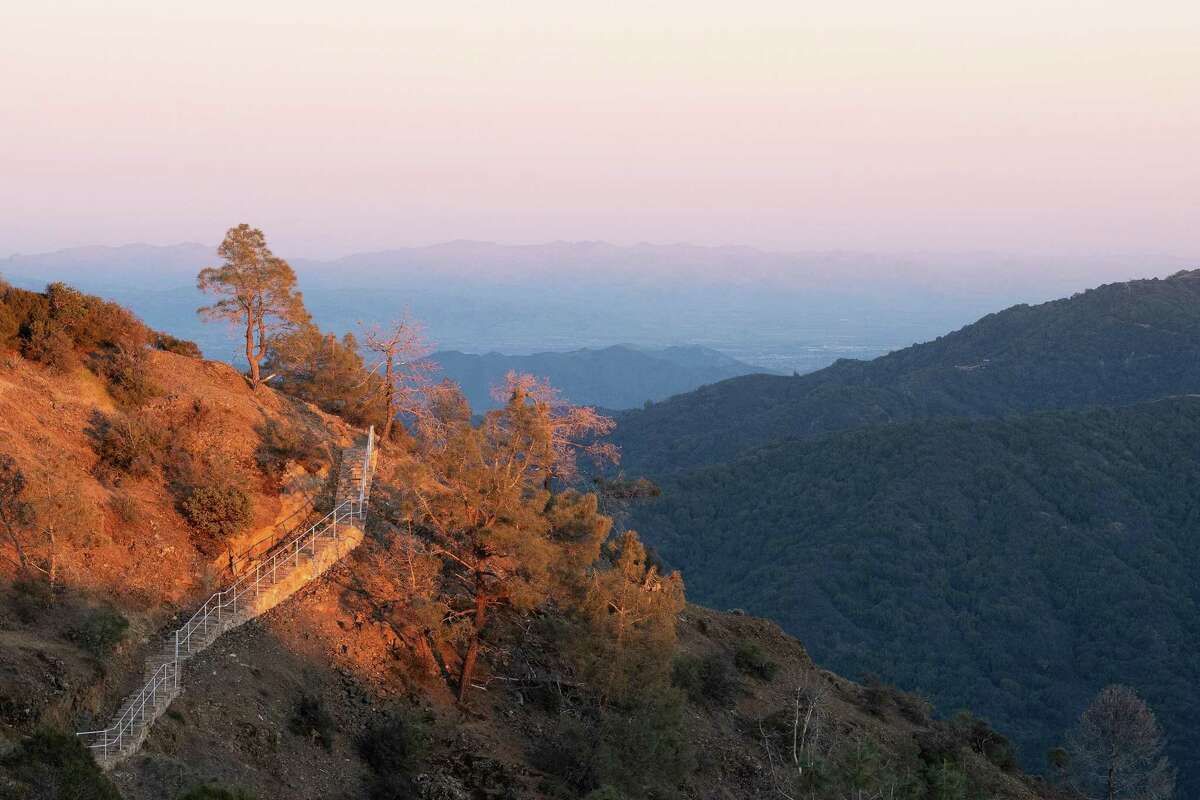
133,718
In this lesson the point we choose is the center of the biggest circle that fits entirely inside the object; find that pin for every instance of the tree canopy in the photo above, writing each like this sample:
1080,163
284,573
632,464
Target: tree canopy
254,288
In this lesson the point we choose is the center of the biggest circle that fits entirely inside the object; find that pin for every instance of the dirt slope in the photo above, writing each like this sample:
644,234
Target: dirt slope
130,548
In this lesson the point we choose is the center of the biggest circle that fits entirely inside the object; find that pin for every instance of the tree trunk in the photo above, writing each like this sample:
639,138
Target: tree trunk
390,399
16,542
251,356
468,668
52,571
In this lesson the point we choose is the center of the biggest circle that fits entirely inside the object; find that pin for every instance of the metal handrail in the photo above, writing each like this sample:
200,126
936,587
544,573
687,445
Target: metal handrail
223,605
368,451
249,554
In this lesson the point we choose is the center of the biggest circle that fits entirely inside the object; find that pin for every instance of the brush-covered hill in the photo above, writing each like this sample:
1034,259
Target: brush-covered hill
1118,343
609,377
1014,565
346,690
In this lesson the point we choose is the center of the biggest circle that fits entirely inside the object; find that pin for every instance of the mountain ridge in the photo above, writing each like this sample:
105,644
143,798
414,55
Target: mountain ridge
1119,342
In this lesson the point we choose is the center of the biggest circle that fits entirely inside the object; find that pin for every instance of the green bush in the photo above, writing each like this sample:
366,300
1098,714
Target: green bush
312,719
50,765
751,660
100,631
705,680
217,512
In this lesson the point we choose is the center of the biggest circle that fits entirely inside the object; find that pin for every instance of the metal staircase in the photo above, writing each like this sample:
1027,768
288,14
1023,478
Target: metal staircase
262,584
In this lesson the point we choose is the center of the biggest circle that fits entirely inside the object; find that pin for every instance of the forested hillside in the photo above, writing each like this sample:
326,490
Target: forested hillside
1119,343
610,377
1011,565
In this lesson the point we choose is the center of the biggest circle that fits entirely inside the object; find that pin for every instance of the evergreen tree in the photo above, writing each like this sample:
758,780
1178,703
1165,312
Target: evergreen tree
255,288
483,493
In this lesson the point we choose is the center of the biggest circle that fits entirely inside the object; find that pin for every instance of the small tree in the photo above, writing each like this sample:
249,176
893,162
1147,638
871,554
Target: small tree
632,610
402,349
1116,750
256,289
59,514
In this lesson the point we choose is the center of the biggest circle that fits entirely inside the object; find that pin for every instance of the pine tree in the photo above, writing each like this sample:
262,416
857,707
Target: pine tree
632,612
484,495
255,288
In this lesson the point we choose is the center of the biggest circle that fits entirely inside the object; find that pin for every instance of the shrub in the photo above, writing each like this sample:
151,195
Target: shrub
91,322
639,752
31,597
751,660
126,509
913,707
49,344
50,765
707,679
875,694
129,445
182,347
280,444
20,308
10,324
217,512
392,749
127,373
977,735
100,631
395,744
312,719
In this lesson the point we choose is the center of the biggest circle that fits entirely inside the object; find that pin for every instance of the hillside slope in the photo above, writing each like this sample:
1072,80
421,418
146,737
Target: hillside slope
238,730
1118,343
347,689
610,377
1011,565
114,480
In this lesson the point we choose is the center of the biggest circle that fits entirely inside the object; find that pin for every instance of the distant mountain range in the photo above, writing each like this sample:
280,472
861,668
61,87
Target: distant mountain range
777,311
614,377
1005,516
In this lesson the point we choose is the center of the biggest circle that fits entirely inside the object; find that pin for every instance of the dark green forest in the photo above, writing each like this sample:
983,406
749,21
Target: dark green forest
1013,565
1119,343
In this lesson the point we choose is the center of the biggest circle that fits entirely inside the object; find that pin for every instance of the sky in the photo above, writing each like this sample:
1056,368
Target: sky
925,125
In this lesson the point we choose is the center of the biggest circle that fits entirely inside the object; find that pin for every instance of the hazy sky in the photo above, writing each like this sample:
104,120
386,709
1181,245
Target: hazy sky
1044,126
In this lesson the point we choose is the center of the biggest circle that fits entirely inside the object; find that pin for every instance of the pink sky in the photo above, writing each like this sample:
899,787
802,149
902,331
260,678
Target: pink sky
1036,127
